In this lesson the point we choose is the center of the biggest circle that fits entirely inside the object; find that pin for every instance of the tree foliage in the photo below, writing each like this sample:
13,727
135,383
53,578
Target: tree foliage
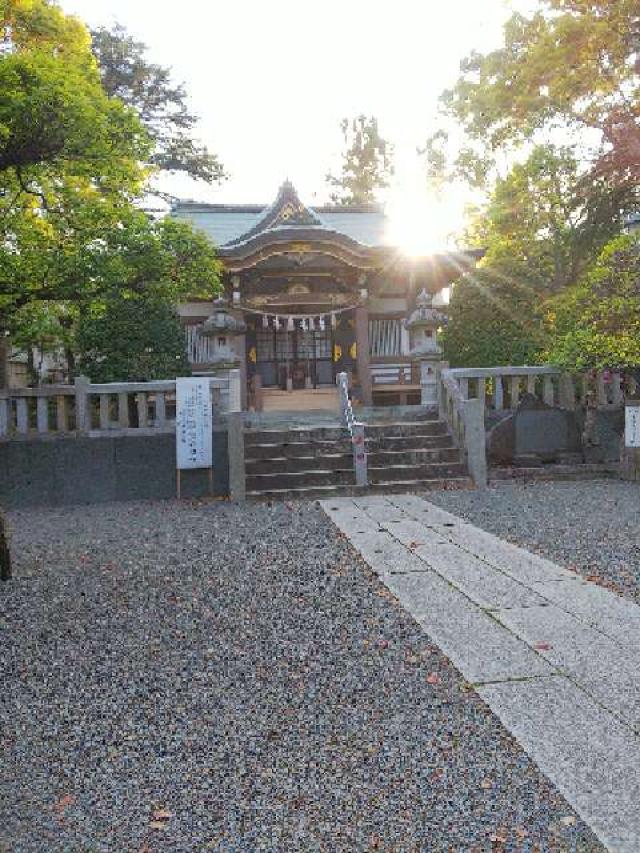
574,66
71,170
134,339
53,109
161,105
545,222
367,162
596,324
493,321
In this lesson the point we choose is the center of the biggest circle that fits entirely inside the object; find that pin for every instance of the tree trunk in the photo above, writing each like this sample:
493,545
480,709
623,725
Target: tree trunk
32,373
4,360
5,556
71,365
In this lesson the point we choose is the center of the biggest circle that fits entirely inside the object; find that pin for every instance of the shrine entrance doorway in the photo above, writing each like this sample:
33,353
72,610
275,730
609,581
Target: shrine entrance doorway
295,358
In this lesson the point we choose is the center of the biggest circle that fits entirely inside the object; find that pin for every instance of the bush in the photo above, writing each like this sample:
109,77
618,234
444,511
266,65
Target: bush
132,340
493,322
596,324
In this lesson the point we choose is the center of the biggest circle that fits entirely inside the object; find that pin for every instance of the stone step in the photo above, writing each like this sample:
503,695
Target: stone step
426,428
344,460
406,428
408,442
297,449
406,473
395,444
335,491
345,476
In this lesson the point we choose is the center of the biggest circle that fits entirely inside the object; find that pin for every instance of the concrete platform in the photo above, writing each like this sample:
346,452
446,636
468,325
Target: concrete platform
557,658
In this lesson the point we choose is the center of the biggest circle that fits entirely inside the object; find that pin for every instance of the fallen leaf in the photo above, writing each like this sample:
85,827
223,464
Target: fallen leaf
542,647
162,814
64,803
500,836
521,832
433,678
486,784
414,545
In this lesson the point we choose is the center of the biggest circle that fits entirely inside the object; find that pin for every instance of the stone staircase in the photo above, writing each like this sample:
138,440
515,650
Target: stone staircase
414,453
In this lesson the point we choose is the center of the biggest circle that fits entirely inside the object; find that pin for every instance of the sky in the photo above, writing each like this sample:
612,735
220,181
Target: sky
271,80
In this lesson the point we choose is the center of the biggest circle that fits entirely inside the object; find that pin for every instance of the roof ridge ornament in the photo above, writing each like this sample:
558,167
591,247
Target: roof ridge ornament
286,211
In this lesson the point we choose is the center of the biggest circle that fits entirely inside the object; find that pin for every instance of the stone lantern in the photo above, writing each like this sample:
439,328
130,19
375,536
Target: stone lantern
423,325
221,328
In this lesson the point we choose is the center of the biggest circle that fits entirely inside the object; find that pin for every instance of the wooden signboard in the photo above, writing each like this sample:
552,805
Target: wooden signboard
194,440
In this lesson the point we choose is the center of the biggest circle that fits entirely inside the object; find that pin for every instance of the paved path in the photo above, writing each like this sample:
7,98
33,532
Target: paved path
556,658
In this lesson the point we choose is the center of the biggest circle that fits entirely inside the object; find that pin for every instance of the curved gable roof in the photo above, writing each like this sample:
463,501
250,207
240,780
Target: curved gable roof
229,225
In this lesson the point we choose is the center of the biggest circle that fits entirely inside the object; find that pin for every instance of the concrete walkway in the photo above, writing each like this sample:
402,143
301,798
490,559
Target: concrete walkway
556,658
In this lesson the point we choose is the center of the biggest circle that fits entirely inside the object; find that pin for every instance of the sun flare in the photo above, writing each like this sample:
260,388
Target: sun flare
422,224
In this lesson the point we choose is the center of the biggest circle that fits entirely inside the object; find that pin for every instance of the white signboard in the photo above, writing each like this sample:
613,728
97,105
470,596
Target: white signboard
193,424
632,426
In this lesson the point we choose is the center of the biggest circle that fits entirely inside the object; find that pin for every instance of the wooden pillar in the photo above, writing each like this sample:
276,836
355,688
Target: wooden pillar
362,354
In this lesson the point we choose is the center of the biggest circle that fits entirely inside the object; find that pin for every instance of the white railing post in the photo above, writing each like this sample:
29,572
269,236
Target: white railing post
356,431
475,441
566,392
548,395
498,393
82,404
359,454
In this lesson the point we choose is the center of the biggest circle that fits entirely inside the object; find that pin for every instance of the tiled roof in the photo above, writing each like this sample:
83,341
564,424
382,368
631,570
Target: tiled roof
231,223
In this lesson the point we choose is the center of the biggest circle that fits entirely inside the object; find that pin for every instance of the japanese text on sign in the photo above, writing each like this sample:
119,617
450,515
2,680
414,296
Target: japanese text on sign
632,426
193,424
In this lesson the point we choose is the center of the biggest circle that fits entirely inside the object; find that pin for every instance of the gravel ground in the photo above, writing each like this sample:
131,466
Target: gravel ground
592,527
211,677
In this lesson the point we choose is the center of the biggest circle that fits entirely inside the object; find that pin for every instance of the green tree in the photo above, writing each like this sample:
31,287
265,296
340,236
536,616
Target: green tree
572,65
161,105
596,324
70,173
54,112
546,221
133,339
367,162
73,261
493,321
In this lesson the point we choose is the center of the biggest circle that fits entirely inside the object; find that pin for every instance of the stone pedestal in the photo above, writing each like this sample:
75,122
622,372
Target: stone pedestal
429,371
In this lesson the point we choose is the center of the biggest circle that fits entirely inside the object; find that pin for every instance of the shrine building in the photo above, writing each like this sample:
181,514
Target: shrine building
312,292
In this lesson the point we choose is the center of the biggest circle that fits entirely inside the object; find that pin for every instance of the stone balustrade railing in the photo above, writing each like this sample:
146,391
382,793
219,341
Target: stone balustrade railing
466,394
356,430
100,409
466,419
503,387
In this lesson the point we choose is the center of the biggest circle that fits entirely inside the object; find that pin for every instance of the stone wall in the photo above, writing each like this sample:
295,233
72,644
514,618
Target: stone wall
82,470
